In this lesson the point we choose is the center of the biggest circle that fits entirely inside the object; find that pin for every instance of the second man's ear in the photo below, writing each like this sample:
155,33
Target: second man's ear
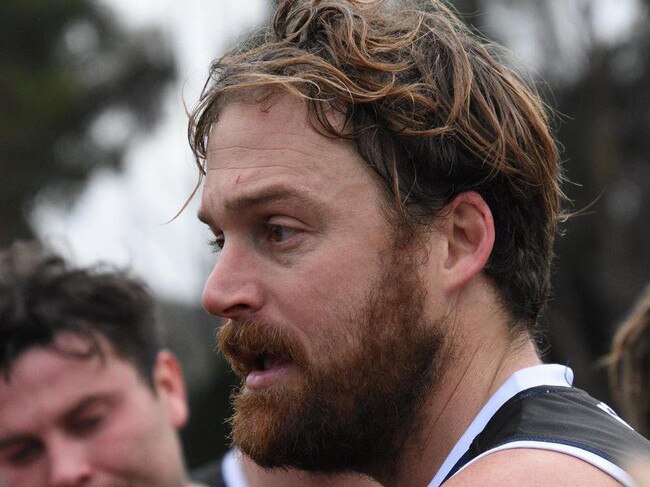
170,387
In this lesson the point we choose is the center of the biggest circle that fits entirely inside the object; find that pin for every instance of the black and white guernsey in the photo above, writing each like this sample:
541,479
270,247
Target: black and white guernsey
538,408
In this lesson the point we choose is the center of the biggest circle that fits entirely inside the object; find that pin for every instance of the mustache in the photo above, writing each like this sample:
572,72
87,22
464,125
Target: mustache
247,343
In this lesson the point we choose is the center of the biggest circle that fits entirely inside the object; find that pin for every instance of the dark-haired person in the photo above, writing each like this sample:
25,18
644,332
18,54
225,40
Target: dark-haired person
384,194
87,397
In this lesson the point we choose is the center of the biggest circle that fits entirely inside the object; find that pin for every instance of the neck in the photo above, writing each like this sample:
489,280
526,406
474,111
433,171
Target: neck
484,356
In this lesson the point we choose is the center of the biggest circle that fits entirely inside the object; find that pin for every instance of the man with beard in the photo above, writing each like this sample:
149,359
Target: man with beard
383,194
87,397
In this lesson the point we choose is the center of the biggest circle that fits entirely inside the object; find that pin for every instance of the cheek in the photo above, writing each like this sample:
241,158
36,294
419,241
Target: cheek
334,278
32,476
318,299
132,445
322,311
120,447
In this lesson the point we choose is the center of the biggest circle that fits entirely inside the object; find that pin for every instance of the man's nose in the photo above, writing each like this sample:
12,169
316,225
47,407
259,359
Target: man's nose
233,289
69,464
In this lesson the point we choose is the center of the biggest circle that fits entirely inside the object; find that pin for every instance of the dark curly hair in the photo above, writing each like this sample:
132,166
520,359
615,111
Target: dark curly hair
432,109
42,297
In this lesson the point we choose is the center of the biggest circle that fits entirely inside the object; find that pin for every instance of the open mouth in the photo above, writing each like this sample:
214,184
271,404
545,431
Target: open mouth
246,362
261,354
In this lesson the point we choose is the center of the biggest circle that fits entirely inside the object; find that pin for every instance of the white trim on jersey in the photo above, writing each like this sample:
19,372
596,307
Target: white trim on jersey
597,461
232,469
538,375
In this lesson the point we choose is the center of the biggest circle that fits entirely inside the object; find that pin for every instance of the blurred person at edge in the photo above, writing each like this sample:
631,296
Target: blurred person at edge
87,395
384,193
629,365
629,374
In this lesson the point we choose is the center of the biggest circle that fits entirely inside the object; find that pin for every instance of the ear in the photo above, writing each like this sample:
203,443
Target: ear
469,229
170,388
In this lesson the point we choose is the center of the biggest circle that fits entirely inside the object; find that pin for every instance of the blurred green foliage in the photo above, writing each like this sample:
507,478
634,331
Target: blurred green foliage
66,67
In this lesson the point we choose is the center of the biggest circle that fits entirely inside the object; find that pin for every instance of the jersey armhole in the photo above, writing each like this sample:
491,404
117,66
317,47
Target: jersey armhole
597,461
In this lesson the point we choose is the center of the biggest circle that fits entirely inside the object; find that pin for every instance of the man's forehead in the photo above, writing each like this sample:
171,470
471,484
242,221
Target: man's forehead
280,121
253,149
84,351
283,114
90,345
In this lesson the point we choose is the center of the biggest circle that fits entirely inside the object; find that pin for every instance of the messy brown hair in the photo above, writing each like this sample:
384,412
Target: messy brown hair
42,297
629,365
431,109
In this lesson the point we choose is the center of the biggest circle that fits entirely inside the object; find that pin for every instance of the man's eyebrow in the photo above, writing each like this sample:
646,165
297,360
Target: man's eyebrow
203,218
240,203
268,195
87,402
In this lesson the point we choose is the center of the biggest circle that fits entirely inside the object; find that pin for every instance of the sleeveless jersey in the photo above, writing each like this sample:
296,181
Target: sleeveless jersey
537,408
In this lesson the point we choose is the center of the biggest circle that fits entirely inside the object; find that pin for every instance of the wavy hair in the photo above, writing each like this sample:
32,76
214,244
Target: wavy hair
432,109
41,296
629,364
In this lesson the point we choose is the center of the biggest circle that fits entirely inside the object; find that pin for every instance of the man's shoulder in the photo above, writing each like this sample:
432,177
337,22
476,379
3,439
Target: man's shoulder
552,435
565,420
533,468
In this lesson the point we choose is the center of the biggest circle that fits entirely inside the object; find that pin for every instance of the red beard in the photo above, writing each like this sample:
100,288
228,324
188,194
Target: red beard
357,397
